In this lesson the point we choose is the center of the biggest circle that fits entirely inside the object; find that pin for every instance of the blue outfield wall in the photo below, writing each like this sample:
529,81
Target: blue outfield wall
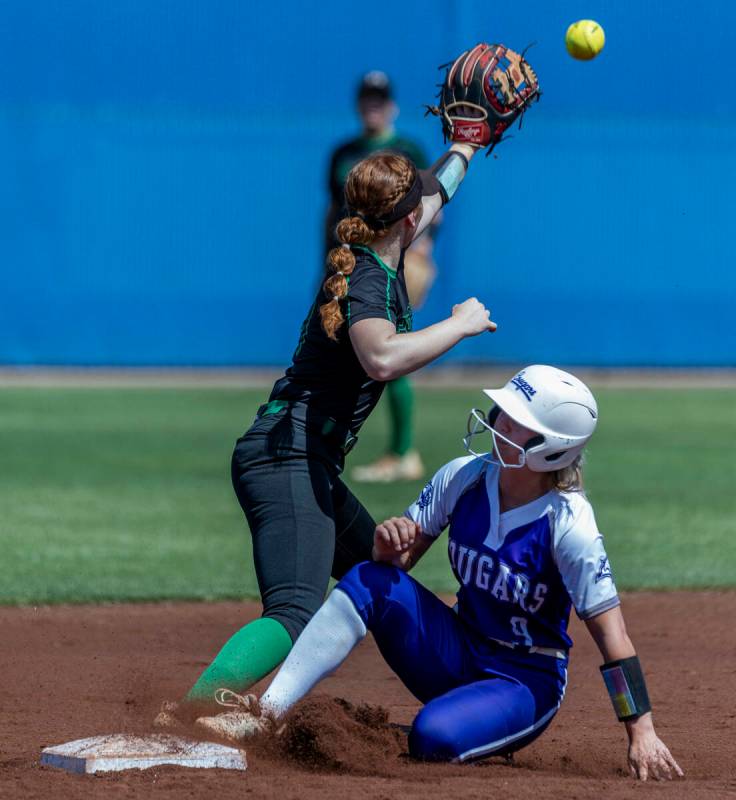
164,182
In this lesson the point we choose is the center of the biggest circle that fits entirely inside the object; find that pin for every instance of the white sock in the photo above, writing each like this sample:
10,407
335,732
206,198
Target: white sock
320,649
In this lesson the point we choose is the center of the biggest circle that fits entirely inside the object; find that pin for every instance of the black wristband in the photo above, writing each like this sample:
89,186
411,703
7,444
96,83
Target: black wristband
627,688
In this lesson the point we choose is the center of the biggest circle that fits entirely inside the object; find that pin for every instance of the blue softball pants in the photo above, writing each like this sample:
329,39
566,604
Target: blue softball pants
480,697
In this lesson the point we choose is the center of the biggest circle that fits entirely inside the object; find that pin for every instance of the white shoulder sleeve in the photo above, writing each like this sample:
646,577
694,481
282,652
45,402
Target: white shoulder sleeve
434,505
581,557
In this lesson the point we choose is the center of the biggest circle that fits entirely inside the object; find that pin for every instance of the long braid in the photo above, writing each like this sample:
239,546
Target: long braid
341,260
373,187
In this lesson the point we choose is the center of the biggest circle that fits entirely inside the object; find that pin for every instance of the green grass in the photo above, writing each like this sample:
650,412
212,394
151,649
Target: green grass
125,494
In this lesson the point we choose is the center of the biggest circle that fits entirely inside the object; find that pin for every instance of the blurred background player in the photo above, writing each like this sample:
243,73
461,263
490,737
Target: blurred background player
378,111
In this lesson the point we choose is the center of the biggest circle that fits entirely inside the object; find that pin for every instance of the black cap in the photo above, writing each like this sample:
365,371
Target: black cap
375,84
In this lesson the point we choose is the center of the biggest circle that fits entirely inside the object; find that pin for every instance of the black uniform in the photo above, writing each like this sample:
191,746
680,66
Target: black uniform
306,524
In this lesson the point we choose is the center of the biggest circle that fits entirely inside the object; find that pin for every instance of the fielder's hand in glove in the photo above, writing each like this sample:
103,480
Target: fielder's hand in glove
485,91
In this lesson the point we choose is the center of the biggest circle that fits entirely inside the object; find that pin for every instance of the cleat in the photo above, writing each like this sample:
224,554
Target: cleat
244,721
235,726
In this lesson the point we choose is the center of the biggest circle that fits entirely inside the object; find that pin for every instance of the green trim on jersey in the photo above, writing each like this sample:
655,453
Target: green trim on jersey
273,407
304,330
347,294
405,323
388,298
390,275
391,272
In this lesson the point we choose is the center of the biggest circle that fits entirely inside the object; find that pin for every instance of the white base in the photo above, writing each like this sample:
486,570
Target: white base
124,751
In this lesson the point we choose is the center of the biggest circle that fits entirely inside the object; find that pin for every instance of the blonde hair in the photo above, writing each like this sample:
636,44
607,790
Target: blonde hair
570,478
373,188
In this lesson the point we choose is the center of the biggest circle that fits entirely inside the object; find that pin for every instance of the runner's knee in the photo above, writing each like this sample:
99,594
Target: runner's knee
433,735
370,586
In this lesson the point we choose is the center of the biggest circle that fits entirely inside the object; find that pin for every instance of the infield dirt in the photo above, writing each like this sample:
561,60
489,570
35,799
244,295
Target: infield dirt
72,672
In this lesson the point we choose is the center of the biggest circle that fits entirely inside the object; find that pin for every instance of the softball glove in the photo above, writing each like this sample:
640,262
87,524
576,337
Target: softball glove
485,91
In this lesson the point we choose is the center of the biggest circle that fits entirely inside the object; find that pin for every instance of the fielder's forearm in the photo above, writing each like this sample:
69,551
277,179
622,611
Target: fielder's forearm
450,171
385,358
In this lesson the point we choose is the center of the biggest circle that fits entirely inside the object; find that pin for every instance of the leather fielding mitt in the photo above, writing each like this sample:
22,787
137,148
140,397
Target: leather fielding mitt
485,91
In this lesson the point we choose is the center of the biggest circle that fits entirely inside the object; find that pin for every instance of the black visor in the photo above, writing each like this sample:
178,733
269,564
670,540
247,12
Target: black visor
424,185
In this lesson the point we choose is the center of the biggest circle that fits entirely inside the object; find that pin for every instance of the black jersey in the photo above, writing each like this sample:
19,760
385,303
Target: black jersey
326,375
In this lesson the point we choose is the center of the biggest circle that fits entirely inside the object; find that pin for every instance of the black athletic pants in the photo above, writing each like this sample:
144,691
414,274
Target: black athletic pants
305,522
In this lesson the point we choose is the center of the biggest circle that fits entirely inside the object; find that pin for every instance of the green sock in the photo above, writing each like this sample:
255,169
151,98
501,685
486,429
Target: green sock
401,402
246,657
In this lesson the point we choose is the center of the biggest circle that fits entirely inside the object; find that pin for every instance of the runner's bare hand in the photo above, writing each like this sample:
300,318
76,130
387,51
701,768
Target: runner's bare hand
650,758
393,536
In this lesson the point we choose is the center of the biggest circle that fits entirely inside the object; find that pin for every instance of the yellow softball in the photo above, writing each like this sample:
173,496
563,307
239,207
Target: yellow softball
584,39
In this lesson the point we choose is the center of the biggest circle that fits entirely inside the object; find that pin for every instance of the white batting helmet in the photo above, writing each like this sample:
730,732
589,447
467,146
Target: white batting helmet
557,406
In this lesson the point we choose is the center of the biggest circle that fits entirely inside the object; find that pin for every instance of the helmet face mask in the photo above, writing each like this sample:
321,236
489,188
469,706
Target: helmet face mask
556,406
479,424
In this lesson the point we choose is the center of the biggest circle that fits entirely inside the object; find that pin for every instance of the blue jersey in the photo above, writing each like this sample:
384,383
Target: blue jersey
519,571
